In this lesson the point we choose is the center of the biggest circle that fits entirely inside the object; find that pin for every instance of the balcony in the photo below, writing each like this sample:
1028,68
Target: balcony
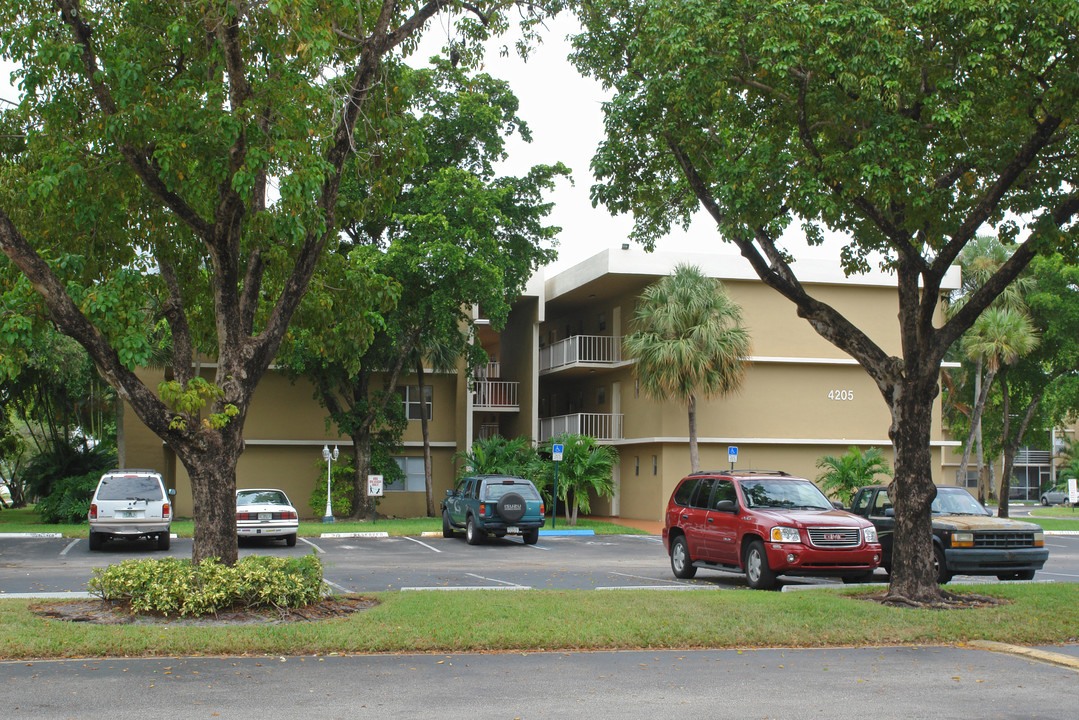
582,351
601,426
498,395
492,370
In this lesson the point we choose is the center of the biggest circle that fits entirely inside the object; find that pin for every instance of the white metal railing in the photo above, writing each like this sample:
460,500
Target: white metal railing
488,430
581,348
490,370
601,426
495,394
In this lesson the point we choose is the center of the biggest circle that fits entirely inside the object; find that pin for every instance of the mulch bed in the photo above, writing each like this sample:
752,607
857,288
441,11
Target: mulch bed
104,612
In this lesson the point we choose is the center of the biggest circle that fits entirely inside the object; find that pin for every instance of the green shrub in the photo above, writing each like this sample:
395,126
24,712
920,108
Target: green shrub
169,586
69,499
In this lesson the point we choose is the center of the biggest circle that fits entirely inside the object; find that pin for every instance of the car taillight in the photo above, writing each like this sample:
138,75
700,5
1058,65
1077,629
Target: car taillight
543,509
243,516
165,510
289,516
93,511
483,508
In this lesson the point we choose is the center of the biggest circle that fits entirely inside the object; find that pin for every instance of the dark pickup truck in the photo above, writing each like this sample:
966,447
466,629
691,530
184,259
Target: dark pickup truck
496,505
967,538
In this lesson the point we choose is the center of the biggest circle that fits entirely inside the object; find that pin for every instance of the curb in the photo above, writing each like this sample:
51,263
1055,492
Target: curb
382,534
1058,659
566,532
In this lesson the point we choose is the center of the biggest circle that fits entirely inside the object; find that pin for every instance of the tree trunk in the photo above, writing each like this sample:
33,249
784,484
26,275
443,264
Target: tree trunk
981,393
694,455
363,507
428,486
912,493
213,497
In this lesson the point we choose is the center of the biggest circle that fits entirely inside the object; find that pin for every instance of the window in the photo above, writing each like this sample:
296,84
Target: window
601,396
724,491
704,491
637,465
602,322
655,465
410,395
414,480
636,388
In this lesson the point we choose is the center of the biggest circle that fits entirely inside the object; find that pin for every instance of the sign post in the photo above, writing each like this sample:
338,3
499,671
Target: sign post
1073,492
732,455
375,486
556,455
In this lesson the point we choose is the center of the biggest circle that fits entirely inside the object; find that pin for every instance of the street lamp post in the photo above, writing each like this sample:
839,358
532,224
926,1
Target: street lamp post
329,458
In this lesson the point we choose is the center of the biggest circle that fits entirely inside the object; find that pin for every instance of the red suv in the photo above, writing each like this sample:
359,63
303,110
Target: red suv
765,524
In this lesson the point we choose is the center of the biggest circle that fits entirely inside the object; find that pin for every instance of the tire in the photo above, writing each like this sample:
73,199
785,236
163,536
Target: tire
531,537
511,507
164,540
681,563
96,541
290,540
1045,501
447,529
473,535
943,576
758,574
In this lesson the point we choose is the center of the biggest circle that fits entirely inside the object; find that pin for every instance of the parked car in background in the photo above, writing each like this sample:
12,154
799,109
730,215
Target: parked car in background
130,505
967,538
266,513
764,524
496,505
1056,495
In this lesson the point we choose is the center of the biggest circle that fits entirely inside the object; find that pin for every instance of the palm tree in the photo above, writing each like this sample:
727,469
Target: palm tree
586,469
497,455
688,339
843,475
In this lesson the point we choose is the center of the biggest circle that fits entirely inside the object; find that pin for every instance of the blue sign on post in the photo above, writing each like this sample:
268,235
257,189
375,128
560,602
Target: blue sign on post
556,452
556,455
732,455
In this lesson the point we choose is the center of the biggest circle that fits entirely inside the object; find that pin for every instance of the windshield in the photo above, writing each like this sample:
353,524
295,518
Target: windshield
130,488
261,497
790,494
956,501
497,489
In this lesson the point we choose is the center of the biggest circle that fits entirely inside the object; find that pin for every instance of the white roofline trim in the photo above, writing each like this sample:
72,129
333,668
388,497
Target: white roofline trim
771,441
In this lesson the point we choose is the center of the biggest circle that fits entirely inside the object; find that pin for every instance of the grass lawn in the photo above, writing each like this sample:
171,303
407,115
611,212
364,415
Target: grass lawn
542,620
25,520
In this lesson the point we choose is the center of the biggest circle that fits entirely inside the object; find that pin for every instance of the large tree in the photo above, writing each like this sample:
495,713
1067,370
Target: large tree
452,235
905,126
204,141
688,340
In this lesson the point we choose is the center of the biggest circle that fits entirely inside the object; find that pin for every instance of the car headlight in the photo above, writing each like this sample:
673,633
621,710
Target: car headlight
786,535
869,534
962,539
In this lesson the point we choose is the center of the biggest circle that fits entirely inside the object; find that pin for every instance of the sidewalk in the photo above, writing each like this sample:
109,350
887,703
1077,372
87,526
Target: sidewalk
652,527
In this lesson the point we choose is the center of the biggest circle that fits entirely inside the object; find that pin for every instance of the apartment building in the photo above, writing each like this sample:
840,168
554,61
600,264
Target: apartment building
557,366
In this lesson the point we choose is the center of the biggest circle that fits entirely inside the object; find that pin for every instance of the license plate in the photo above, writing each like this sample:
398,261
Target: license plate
513,530
265,516
125,513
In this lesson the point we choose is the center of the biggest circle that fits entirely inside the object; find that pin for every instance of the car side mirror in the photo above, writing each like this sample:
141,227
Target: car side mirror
726,506
449,493
838,505
890,512
172,491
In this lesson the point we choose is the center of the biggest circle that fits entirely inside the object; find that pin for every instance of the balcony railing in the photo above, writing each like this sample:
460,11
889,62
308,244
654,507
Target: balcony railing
492,394
601,426
488,371
488,431
603,349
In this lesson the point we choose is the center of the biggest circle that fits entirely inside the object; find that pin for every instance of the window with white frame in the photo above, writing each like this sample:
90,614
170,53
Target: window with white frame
414,479
410,395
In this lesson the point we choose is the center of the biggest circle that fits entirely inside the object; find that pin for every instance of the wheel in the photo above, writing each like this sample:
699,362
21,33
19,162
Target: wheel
1045,500
758,574
941,568
447,529
473,535
96,541
531,537
290,540
164,540
511,507
681,564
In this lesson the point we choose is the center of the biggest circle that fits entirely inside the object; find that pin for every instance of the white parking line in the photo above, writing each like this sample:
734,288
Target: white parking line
469,587
657,587
316,547
335,586
645,577
70,545
420,542
504,582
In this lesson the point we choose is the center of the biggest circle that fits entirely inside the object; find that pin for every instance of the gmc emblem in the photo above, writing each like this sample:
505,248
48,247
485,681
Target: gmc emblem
833,536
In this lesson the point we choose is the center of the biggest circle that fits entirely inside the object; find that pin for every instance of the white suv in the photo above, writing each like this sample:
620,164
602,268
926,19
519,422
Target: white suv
131,504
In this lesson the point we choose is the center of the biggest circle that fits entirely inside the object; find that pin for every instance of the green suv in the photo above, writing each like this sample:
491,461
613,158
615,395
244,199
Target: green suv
496,505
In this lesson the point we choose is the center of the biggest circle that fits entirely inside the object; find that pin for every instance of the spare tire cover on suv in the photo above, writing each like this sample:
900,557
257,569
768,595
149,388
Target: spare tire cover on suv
511,507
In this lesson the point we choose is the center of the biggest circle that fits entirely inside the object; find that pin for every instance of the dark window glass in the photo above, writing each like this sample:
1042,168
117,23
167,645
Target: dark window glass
684,492
130,488
704,490
724,491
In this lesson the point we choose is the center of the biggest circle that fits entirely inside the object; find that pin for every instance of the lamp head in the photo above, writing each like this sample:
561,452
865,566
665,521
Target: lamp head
336,452
326,453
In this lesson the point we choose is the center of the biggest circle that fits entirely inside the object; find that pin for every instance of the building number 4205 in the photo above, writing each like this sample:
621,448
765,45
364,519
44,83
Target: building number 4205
840,394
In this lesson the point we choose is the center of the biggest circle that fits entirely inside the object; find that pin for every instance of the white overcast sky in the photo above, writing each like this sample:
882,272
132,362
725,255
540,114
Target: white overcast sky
564,112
